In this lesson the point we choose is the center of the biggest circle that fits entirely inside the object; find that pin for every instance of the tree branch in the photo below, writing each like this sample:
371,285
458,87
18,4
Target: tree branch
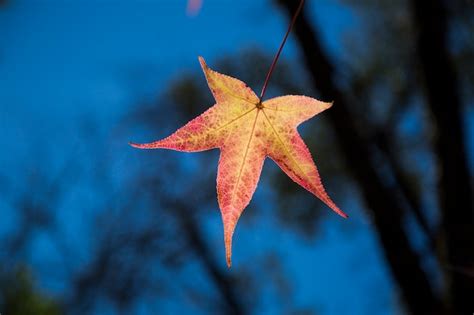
198,244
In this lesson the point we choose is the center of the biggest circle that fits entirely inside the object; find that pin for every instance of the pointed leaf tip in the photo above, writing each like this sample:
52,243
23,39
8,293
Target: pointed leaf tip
133,144
327,105
152,145
228,248
336,209
202,62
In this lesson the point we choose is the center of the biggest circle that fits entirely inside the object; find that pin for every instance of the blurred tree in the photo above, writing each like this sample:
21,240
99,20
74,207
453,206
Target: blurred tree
368,143
19,296
443,100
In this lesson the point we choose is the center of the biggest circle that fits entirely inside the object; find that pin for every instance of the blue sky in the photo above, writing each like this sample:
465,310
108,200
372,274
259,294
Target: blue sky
62,62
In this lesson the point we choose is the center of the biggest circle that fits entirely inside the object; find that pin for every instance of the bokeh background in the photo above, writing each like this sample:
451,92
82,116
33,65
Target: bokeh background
89,225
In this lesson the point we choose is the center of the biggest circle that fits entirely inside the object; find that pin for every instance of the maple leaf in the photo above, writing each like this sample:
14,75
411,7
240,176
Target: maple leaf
247,131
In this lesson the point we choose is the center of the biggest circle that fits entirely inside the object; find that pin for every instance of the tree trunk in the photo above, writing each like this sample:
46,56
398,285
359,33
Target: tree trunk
384,208
443,100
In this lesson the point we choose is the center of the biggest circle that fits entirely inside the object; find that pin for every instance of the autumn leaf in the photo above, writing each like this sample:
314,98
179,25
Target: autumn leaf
193,7
247,131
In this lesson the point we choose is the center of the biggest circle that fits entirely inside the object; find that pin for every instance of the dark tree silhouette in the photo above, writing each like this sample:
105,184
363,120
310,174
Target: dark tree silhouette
444,102
388,211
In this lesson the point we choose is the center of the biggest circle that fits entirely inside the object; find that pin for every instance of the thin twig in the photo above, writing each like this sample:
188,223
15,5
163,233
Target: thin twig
270,71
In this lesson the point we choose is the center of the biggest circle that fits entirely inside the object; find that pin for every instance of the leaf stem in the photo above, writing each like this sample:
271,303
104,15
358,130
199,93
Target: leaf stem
275,59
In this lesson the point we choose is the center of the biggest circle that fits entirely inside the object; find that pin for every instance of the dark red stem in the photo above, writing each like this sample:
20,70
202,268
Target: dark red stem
270,71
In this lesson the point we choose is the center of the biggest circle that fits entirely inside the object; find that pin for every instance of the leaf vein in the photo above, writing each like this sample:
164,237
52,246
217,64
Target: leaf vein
244,159
284,146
